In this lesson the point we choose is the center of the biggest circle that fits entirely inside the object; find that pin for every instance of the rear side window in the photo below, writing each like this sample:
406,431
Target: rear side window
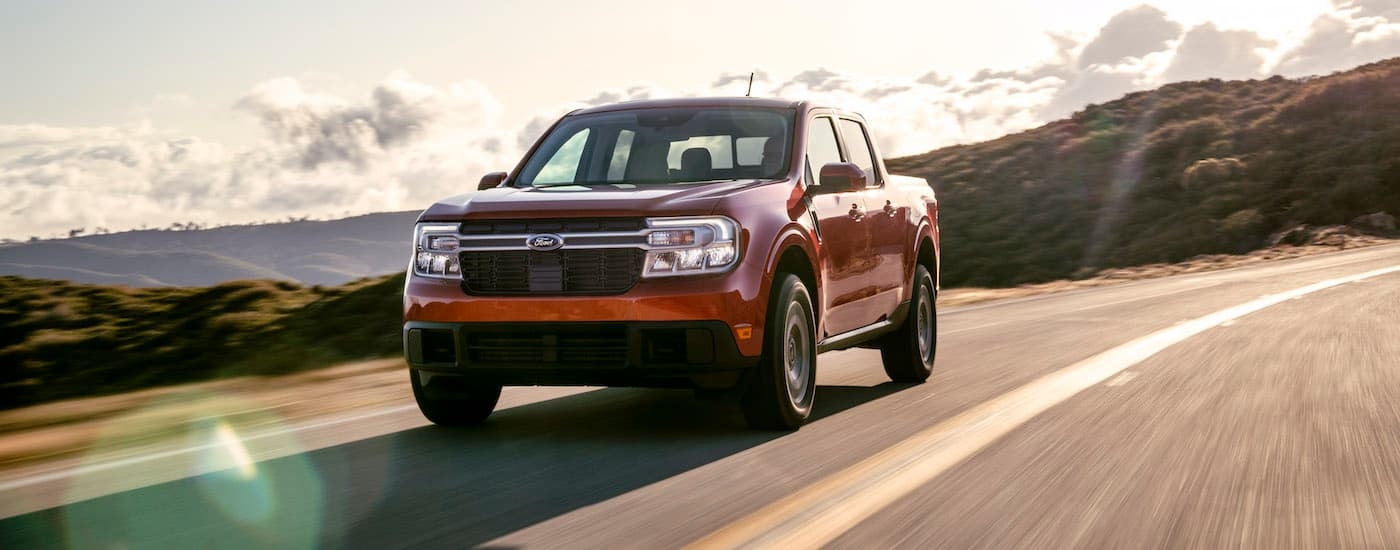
821,147
720,149
749,150
859,149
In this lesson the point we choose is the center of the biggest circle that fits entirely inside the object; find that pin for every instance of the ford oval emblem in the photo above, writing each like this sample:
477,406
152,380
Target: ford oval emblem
545,242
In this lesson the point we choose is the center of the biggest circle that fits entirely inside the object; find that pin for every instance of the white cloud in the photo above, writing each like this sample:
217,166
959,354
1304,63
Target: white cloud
1356,32
1208,52
406,143
29,135
1389,9
1132,33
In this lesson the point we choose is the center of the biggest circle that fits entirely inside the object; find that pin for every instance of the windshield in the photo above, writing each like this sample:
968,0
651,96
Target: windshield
657,146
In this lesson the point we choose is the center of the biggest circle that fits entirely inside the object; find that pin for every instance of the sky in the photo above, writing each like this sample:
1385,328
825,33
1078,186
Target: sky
119,115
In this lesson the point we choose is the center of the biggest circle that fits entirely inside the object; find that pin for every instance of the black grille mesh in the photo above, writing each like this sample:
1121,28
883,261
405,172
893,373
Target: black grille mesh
581,271
600,345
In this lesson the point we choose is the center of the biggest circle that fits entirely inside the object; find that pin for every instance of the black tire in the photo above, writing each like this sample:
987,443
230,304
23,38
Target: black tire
780,394
454,400
908,353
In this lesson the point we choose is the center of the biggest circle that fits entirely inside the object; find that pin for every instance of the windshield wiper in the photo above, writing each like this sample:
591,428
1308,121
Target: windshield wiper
548,185
629,182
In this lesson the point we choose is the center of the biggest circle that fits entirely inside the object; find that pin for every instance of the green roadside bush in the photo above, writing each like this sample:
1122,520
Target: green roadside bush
61,340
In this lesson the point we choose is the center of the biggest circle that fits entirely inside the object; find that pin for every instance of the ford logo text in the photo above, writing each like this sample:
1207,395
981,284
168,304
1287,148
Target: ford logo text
544,243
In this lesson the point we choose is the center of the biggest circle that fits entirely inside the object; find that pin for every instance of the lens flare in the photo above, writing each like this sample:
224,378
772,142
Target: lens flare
230,443
196,459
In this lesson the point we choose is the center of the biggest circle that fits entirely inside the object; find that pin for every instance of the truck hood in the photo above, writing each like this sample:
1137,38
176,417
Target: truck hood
620,200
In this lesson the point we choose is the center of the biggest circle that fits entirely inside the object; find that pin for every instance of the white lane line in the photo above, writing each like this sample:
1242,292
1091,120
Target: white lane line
817,515
1084,308
1121,379
87,469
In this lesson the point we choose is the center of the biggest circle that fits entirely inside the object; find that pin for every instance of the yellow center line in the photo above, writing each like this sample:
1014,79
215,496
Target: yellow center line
828,508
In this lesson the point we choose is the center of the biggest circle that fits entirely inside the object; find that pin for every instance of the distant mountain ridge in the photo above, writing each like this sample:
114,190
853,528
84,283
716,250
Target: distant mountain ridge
1154,177
310,252
1163,175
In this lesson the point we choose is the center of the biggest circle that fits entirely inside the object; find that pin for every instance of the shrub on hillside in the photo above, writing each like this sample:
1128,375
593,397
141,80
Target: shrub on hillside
1158,176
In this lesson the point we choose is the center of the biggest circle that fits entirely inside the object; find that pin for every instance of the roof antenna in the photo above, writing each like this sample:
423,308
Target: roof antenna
750,92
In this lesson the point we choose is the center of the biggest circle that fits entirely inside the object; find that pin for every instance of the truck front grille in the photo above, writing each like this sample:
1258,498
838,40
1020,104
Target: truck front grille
580,271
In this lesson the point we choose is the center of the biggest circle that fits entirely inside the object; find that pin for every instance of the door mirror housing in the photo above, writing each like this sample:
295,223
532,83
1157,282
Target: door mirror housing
494,179
841,177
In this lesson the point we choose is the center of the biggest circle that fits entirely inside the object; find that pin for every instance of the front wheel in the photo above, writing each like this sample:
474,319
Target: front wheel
908,353
448,400
780,395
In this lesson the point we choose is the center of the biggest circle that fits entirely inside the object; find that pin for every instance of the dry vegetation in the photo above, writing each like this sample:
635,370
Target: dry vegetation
60,340
1161,176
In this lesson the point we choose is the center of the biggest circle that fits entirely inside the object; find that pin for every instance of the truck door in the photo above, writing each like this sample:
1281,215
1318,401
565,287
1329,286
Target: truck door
844,238
888,229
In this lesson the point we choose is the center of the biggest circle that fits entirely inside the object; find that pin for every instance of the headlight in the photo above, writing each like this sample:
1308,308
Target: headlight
435,251
691,246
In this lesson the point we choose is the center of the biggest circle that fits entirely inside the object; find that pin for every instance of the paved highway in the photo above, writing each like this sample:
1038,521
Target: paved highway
1257,408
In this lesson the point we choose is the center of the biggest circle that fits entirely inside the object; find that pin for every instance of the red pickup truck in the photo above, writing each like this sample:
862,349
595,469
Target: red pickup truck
717,244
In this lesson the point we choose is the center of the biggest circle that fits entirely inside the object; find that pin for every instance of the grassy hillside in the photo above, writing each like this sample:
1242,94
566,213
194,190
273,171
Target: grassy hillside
1160,176
310,252
61,340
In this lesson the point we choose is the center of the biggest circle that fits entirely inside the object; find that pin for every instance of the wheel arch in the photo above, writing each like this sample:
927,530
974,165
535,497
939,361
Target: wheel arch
926,253
793,252
794,259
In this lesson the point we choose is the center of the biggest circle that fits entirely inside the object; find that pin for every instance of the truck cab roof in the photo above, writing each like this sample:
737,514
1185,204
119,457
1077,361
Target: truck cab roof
721,102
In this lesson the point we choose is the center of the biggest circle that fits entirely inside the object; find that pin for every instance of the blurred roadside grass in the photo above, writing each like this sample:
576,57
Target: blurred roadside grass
61,340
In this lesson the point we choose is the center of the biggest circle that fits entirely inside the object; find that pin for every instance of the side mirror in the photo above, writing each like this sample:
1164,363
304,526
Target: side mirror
491,180
840,177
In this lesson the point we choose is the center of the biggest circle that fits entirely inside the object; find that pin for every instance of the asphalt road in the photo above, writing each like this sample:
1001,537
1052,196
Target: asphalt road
1132,416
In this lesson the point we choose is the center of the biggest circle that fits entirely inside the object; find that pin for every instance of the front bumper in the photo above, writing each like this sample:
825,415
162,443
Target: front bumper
737,299
701,354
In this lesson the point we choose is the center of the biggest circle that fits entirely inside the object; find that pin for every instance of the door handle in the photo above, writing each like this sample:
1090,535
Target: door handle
890,210
857,213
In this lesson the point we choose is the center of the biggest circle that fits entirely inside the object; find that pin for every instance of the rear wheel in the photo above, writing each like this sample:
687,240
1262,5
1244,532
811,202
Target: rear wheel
448,400
908,353
780,395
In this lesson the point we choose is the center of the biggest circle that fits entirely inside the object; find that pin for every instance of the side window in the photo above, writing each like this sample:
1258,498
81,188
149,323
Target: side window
617,166
563,166
821,147
859,149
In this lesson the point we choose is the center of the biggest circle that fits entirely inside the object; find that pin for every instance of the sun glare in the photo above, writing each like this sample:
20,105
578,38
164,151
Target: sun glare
237,452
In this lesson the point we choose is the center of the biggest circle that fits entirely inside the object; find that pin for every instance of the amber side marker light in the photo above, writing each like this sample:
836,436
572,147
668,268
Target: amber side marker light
743,332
